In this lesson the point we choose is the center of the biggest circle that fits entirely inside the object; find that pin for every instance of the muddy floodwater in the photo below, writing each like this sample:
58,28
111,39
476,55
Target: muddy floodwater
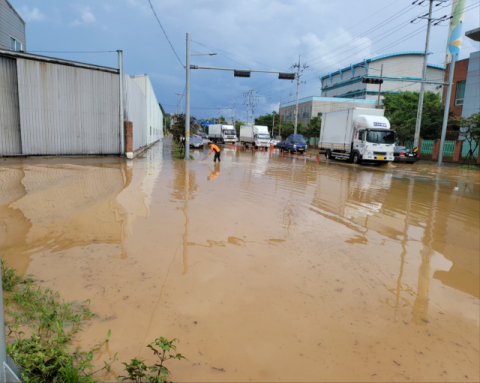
265,268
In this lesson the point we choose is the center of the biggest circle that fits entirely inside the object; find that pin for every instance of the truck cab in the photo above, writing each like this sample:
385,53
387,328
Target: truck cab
229,134
373,140
261,136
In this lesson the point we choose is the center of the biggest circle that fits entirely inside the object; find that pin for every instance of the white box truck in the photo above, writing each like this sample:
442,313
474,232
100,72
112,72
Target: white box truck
229,134
357,135
255,135
222,133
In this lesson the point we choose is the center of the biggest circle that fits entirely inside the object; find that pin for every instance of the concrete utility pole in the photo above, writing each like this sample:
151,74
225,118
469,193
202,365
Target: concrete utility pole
187,103
280,115
447,109
253,108
424,78
122,118
178,95
247,94
219,113
380,88
296,105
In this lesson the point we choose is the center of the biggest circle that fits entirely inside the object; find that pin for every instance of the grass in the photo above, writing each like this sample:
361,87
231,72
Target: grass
41,327
468,167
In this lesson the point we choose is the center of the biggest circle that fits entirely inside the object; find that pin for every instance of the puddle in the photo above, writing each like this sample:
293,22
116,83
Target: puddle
266,268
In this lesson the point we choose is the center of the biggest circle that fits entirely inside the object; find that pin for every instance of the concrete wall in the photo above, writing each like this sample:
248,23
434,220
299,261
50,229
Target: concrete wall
471,102
11,25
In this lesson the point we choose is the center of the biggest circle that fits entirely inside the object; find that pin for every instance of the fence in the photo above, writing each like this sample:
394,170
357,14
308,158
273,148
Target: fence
466,148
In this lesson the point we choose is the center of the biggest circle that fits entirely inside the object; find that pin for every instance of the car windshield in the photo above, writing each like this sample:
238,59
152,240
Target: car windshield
196,140
263,136
299,140
381,136
230,132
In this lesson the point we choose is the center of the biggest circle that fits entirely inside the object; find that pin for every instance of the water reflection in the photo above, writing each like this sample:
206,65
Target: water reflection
65,203
419,207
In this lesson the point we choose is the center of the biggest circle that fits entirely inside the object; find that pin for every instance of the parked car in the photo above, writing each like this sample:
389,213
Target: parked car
403,154
274,141
196,142
294,143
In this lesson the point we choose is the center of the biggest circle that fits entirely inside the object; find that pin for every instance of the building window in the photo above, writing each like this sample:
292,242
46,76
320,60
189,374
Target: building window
289,117
460,92
16,45
319,114
306,114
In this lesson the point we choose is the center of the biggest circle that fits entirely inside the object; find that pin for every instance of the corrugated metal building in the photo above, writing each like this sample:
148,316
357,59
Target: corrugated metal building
12,28
309,107
56,107
347,82
50,106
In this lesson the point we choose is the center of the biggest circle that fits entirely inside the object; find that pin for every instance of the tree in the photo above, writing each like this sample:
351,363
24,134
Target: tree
313,127
401,111
178,128
238,124
288,128
470,130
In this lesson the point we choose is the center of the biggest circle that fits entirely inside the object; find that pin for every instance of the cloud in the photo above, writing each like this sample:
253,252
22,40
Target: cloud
87,17
32,14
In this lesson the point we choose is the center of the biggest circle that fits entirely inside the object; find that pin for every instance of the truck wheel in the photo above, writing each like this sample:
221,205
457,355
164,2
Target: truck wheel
328,154
356,159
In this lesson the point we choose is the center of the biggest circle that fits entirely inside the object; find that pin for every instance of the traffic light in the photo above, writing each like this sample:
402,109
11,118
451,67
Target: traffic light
241,73
376,81
286,76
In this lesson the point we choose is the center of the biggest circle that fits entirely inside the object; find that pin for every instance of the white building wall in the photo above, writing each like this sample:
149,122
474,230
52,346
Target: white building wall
408,65
135,110
154,113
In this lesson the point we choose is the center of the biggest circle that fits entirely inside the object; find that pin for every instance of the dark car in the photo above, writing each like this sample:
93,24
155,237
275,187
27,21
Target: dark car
196,142
403,154
294,143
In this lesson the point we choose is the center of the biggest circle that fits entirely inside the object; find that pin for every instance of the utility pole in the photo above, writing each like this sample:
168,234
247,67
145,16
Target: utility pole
247,95
424,78
300,70
280,115
253,108
232,115
447,109
380,87
187,103
273,123
178,95
219,113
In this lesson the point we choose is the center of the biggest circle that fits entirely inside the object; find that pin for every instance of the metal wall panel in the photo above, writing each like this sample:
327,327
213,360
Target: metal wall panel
67,110
10,143
11,25
135,109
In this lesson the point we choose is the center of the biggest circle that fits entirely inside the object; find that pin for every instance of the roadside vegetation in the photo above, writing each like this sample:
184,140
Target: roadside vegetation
178,133
40,327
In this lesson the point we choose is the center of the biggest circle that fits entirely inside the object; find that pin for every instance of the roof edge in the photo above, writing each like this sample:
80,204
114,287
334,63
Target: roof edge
53,60
14,10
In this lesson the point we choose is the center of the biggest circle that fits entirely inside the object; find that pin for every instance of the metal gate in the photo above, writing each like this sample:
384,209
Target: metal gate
10,138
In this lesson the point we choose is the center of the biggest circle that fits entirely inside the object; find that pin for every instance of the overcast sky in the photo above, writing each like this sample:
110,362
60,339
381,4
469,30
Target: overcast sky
255,34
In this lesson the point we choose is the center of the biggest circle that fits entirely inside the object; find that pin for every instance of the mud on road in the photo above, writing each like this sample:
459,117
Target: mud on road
266,269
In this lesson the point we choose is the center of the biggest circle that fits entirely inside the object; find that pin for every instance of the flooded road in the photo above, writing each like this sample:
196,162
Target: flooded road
271,269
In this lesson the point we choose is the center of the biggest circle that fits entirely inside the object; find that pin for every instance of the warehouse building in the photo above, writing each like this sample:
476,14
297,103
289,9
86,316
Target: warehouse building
309,107
50,106
12,28
347,82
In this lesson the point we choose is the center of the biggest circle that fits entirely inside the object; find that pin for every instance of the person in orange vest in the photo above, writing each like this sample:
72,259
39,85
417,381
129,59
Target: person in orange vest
214,148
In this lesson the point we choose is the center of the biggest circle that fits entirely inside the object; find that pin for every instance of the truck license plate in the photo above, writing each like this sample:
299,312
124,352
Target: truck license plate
381,158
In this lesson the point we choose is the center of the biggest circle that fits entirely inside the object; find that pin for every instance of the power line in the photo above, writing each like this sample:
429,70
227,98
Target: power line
72,52
165,33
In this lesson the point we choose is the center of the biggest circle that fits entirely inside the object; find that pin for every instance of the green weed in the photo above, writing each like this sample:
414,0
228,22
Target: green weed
139,372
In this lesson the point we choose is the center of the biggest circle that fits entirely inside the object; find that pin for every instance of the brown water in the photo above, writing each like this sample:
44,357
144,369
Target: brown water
271,269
